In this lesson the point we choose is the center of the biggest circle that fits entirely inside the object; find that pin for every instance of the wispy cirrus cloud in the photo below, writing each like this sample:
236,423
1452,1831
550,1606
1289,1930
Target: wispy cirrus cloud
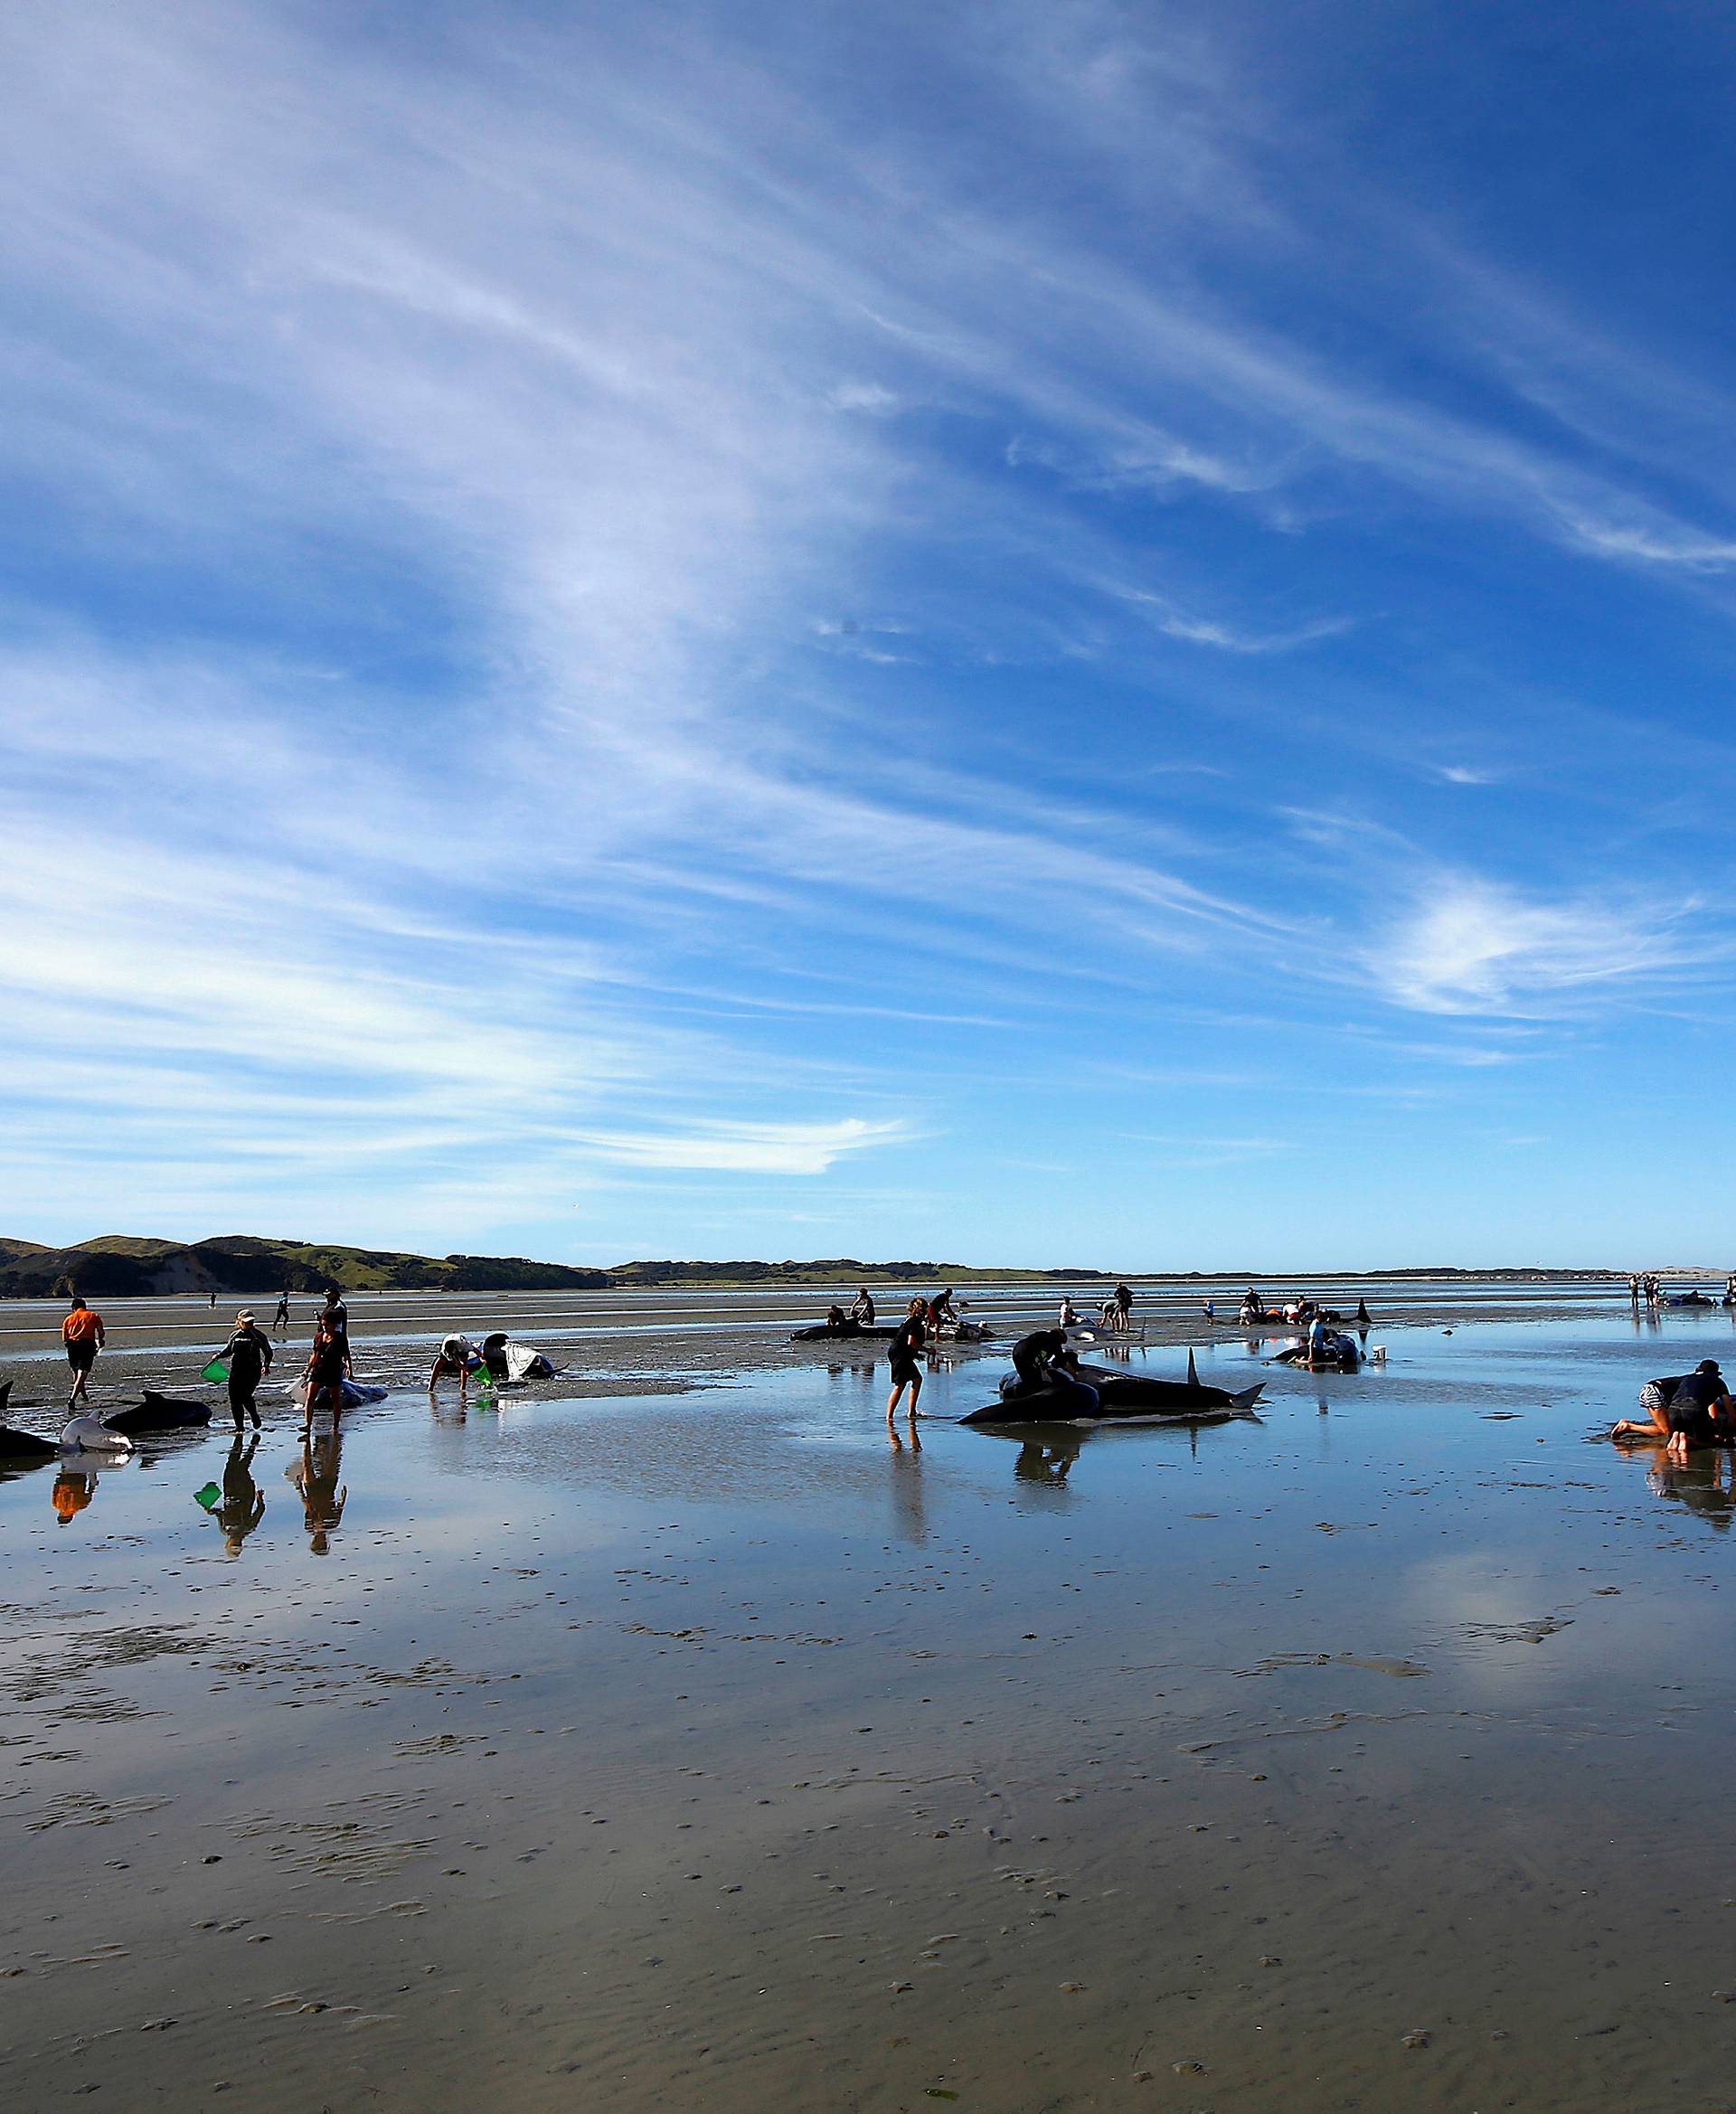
1203,632
434,453
758,1149
1469,946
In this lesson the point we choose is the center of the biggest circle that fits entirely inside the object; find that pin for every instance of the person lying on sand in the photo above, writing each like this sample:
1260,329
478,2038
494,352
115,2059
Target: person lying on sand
1694,1408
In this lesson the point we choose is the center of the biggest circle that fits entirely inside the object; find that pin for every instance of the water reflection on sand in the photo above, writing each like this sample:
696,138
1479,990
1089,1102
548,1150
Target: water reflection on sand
667,1751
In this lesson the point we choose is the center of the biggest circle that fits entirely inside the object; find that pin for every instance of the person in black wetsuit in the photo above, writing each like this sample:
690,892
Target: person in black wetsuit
249,1352
1041,1363
904,1355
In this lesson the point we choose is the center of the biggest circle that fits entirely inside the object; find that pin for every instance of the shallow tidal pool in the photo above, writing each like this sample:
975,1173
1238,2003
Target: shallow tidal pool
704,1748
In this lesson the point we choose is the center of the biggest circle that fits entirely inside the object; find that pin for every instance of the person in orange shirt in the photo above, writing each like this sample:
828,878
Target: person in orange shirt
83,1334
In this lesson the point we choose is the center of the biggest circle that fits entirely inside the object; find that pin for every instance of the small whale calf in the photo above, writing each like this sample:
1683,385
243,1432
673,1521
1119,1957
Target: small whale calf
159,1412
91,1435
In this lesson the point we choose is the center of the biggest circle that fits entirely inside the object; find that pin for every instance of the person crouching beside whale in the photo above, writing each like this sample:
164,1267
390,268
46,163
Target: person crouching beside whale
1042,1365
456,1354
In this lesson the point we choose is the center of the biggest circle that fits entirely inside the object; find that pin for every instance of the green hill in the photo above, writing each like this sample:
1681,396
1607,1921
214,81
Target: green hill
118,1265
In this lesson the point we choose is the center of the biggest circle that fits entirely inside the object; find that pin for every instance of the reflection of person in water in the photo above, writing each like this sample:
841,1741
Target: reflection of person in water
314,1474
74,1490
243,1502
1039,1463
1698,1484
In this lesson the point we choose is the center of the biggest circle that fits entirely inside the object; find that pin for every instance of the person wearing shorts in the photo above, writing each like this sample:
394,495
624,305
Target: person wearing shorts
328,1363
1685,1410
83,1334
1700,1411
909,1341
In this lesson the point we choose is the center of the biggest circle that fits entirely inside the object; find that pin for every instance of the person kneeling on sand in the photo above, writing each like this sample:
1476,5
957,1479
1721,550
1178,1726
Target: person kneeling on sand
1693,1408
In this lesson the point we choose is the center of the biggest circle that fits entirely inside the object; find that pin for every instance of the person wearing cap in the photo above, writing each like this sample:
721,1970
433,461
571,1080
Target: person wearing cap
1694,1409
249,1352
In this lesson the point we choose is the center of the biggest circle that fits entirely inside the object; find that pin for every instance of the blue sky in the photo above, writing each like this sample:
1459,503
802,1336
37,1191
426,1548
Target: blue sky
1034,634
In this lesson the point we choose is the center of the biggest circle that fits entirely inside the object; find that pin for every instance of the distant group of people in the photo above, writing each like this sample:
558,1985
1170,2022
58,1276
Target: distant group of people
1115,1314
1647,1291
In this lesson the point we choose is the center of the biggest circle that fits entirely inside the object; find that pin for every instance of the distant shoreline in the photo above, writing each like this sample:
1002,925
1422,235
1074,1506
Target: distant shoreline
119,1265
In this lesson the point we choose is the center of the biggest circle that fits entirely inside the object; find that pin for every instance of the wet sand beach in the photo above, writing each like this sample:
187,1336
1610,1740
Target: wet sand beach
661,1737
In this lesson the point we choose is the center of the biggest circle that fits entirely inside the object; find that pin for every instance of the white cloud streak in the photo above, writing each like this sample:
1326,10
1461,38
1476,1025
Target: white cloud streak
1470,946
541,386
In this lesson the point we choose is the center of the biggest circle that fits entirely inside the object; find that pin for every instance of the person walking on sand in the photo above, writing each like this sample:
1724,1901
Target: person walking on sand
249,1352
909,1339
83,1335
281,1319
328,1365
